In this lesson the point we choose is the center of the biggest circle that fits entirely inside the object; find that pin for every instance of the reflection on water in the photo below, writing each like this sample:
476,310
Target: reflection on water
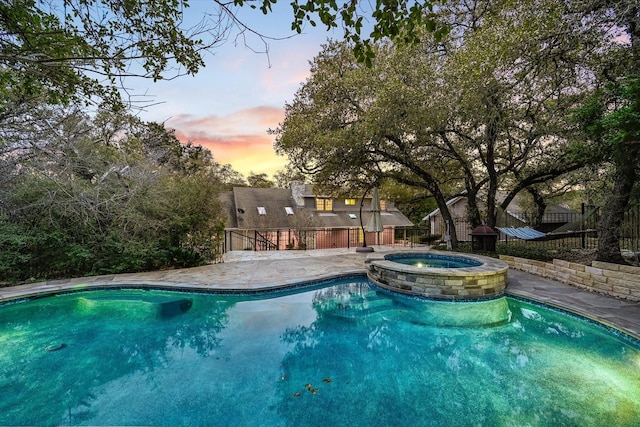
344,354
106,336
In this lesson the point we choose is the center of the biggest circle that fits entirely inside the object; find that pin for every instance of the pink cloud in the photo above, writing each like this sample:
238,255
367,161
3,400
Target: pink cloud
290,65
257,119
239,138
268,116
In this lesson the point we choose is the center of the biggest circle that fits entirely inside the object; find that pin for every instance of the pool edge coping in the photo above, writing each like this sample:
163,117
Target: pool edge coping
46,289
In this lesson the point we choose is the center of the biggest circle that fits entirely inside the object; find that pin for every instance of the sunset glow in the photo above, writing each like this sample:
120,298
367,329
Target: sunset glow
230,105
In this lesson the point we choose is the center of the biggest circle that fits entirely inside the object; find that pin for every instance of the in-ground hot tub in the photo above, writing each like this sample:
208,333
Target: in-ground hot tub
439,275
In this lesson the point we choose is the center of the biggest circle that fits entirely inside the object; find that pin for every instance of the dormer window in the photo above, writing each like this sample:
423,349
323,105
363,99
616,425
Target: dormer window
262,210
324,204
288,210
383,205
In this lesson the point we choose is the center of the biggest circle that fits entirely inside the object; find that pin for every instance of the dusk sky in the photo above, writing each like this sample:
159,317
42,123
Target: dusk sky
232,102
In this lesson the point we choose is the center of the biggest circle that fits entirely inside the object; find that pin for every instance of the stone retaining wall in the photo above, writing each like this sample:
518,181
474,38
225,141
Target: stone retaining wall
620,281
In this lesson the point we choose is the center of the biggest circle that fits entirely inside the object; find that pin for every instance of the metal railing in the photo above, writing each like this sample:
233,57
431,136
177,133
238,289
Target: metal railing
321,238
566,231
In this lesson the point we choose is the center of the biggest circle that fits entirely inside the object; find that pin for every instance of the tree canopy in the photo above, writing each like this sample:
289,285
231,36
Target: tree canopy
87,195
483,109
400,21
77,50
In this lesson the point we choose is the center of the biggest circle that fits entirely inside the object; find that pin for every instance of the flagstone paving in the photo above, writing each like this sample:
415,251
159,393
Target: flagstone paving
255,271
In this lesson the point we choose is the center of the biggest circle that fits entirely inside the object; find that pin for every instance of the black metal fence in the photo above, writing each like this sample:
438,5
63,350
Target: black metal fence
580,232
567,231
630,231
321,238
563,230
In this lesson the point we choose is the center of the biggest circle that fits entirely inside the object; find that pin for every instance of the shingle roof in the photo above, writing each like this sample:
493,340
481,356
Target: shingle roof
273,200
229,209
246,216
551,213
342,219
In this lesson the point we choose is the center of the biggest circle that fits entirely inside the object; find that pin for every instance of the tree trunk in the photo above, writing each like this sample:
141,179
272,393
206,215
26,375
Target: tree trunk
494,119
617,204
473,212
446,217
540,207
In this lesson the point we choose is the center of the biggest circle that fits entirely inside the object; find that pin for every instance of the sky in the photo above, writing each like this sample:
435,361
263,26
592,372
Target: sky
231,103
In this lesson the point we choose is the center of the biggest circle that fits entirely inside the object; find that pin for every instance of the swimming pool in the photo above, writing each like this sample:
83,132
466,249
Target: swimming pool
341,353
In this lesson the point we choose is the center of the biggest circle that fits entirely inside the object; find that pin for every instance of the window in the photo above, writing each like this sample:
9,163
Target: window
350,202
383,205
324,204
288,210
262,210
352,216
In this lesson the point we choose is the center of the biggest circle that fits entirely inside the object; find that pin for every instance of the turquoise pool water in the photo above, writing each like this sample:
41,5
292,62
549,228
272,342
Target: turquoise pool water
345,354
434,261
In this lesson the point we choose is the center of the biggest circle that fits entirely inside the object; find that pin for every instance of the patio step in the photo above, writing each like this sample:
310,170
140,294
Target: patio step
134,305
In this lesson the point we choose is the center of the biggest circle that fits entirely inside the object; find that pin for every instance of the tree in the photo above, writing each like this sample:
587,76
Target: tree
104,195
482,109
346,124
518,77
611,118
285,177
399,20
412,201
79,49
259,180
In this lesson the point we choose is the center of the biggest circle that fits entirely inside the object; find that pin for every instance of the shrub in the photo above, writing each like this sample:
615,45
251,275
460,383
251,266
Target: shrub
525,251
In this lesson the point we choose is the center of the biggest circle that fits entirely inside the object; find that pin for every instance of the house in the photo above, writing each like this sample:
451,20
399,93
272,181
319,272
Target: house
296,218
554,217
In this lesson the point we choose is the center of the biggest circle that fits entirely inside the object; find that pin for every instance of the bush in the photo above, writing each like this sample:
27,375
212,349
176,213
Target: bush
429,239
525,251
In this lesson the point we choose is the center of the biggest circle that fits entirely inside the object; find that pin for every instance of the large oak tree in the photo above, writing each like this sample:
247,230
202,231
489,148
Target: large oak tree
612,118
482,109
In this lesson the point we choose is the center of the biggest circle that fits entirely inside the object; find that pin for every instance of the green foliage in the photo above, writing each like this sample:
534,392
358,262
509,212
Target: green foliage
259,180
413,202
139,201
524,250
611,117
620,127
481,111
13,239
401,21
63,52
516,249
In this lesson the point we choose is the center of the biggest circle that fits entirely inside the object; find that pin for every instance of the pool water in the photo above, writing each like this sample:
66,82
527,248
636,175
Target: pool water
435,261
344,354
